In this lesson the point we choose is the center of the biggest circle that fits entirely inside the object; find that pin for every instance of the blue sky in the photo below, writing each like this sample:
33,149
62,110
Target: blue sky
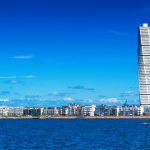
57,52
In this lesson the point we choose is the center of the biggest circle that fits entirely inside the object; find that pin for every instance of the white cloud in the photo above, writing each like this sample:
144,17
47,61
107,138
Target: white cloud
29,76
60,94
81,87
68,99
7,77
23,57
13,82
109,100
14,77
57,94
128,93
4,99
89,101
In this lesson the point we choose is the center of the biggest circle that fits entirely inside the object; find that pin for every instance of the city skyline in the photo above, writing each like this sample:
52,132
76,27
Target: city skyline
85,52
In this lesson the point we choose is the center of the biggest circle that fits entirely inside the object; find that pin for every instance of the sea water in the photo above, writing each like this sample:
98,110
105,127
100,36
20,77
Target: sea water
74,134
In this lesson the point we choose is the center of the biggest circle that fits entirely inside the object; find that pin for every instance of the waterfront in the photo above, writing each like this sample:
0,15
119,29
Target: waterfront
72,110
76,117
74,134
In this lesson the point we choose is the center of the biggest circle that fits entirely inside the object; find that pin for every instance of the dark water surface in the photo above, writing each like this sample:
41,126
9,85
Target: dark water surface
75,134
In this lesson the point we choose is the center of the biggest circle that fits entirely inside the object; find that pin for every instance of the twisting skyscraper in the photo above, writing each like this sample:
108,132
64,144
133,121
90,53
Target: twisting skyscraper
144,64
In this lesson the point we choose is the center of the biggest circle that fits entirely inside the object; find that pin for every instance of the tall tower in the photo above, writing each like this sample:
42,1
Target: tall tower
144,64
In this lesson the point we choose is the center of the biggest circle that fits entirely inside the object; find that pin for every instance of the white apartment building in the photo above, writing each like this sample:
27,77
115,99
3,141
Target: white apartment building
88,110
11,111
130,110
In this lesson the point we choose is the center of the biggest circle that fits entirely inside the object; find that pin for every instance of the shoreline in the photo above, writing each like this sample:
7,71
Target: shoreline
80,117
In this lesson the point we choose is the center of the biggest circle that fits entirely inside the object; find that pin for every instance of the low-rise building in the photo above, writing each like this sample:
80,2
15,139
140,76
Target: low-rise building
130,110
32,111
79,110
4,111
105,110
146,110
88,110
72,109
15,111
11,111
65,111
51,111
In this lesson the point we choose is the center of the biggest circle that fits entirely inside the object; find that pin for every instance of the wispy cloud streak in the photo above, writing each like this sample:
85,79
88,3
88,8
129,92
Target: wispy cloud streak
81,87
118,33
29,76
23,57
7,77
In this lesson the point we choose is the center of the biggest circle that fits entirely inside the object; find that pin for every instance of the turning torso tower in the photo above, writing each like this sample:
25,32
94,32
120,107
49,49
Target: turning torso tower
144,64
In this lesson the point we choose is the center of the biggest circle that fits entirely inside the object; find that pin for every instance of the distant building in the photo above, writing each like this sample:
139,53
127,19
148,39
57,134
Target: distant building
130,110
79,110
11,111
65,110
51,111
88,110
4,111
104,110
73,109
32,111
15,111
